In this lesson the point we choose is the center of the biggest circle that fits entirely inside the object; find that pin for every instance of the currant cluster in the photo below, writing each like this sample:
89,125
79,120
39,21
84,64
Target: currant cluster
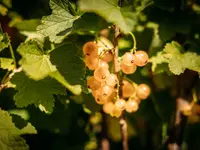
105,85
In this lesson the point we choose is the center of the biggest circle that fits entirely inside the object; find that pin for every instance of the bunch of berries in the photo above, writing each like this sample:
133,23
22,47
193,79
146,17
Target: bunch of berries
105,85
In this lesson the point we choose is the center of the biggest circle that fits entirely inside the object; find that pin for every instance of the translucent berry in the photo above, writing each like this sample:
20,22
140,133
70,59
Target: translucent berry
101,73
106,90
108,107
100,98
91,62
90,48
128,69
112,80
116,112
93,84
131,106
128,59
121,104
103,64
107,57
141,58
135,98
127,89
143,91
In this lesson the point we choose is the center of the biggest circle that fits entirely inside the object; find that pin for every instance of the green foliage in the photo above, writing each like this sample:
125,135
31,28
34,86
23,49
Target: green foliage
4,40
34,61
6,63
40,93
67,59
122,17
177,61
10,135
27,25
59,21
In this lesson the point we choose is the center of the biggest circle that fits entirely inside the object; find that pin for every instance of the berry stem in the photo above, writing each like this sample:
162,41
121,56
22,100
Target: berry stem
123,123
134,43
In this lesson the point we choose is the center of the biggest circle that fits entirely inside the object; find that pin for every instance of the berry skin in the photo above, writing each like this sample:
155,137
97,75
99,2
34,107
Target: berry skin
112,80
143,91
131,106
127,89
128,69
101,73
100,98
135,99
106,90
90,49
93,84
116,112
128,59
121,104
107,57
91,62
108,107
103,64
141,58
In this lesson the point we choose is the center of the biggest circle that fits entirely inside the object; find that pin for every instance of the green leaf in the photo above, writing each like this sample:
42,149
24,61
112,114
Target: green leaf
177,61
10,135
3,10
67,59
109,10
75,89
4,40
6,63
34,62
59,21
173,48
39,93
27,25
156,60
176,65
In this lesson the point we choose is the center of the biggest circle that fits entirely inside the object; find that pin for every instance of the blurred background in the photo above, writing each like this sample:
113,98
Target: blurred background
77,122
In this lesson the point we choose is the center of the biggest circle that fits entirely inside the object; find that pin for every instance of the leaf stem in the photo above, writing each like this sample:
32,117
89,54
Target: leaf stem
134,42
12,55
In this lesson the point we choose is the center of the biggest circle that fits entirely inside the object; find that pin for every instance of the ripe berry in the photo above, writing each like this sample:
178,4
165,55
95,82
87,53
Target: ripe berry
93,84
128,59
143,91
103,64
112,80
90,48
131,106
127,89
91,62
141,58
121,104
107,57
116,112
135,99
101,73
128,69
100,98
106,90
108,107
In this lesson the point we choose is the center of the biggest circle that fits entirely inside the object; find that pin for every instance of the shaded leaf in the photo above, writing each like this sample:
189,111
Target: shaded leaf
36,92
109,10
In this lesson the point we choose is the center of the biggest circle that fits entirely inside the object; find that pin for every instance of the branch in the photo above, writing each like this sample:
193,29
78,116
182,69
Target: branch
184,96
105,145
8,78
123,123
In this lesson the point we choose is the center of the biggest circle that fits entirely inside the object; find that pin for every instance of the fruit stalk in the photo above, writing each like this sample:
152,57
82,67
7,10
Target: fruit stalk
123,123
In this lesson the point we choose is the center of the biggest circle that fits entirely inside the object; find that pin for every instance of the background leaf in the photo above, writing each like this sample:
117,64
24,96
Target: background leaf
36,92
